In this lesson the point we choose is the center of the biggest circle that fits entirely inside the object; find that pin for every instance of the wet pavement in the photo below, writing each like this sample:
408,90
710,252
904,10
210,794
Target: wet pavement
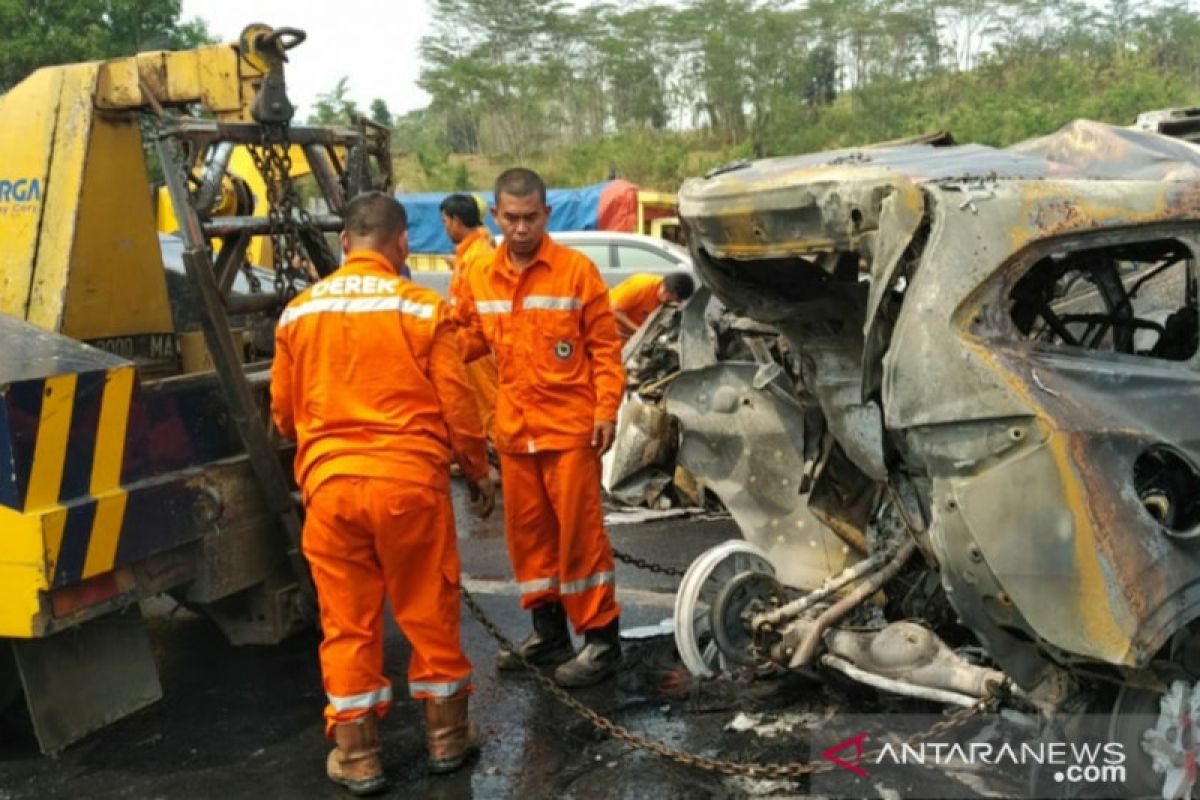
246,722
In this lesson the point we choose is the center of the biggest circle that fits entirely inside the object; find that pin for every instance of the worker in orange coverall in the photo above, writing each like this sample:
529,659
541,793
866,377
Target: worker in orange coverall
638,296
368,380
472,250
543,310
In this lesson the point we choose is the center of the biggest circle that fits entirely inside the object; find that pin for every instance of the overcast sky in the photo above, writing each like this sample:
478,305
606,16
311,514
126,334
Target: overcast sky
375,44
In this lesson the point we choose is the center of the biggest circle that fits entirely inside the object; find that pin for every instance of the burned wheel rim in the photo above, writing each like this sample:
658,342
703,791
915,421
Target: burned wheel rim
735,602
693,602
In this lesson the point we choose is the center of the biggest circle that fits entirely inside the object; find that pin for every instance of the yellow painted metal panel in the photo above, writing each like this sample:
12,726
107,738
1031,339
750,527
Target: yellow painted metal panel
28,115
118,86
22,572
221,90
19,600
64,183
164,214
208,75
152,74
106,533
116,284
110,432
54,525
22,540
183,76
50,450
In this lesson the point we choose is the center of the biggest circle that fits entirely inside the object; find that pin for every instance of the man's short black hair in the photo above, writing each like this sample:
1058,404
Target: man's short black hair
680,284
463,208
520,182
375,215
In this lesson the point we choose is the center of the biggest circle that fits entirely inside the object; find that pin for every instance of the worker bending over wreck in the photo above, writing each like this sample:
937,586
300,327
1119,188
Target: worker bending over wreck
472,251
638,296
543,309
368,380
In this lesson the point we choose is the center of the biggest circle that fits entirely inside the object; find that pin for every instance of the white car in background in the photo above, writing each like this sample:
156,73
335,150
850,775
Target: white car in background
618,255
614,252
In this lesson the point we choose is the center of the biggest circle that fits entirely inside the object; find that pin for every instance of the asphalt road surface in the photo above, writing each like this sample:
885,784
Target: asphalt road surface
246,722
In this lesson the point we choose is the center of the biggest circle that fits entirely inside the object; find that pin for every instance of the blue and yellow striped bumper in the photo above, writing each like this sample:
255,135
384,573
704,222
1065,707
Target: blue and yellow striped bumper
96,471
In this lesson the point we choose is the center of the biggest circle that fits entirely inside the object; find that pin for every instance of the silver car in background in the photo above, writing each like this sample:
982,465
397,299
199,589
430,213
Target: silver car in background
617,255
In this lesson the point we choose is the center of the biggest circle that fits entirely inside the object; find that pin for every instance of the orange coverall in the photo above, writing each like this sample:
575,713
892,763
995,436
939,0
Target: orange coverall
368,380
473,253
636,297
558,356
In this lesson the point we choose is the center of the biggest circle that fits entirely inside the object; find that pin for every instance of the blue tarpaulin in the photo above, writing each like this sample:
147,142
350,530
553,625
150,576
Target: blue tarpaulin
570,210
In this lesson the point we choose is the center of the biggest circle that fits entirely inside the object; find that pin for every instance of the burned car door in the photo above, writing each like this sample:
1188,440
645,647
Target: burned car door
1052,404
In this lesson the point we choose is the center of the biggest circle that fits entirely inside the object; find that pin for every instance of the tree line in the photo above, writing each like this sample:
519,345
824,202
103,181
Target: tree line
657,92
41,32
644,88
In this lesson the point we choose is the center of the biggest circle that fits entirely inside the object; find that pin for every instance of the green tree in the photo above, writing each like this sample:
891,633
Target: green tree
40,33
335,106
380,112
493,66
664,91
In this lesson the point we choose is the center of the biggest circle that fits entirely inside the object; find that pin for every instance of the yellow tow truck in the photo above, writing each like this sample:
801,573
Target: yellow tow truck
122,473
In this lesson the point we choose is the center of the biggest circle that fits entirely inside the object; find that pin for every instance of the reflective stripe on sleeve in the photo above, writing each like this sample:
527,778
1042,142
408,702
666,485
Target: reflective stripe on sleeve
438,689
551,303
583,584
365,700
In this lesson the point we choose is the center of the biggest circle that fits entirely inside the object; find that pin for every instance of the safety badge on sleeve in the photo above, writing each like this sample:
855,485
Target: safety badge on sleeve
563,349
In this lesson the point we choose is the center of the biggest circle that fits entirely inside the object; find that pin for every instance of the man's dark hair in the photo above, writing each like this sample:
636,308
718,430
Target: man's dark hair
375,215
520,182
680,284
463,208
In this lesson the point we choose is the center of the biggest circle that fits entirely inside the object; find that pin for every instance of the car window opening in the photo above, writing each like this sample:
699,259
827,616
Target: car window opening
1134,298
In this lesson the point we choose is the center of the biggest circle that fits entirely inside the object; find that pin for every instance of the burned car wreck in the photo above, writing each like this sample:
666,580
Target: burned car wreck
948,394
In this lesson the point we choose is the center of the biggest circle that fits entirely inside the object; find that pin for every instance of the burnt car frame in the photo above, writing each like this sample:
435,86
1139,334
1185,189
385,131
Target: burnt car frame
978,369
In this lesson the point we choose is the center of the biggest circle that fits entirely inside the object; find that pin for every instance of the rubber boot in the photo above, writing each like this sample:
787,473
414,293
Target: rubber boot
451,735
550,643
355,763
599,658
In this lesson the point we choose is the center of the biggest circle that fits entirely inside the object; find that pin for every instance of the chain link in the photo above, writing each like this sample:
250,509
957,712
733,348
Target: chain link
722,766
273,159
649,566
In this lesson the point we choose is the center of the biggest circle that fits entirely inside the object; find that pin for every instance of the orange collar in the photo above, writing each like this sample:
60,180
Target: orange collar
542,256
470,239
372,261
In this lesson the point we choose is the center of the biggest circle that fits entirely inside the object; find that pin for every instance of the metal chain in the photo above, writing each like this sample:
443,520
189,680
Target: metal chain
273,159
266,160
746,768
992,697
649,566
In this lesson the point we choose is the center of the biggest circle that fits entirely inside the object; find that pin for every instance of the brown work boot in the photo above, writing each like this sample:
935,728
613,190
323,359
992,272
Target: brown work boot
599,658
355,763
548,646
450,733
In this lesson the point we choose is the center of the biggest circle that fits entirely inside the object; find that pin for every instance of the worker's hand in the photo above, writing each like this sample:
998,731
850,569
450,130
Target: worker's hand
603,434
483,493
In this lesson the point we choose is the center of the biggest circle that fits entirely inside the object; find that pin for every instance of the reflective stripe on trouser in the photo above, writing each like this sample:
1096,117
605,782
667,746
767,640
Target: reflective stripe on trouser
370,537
554,526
